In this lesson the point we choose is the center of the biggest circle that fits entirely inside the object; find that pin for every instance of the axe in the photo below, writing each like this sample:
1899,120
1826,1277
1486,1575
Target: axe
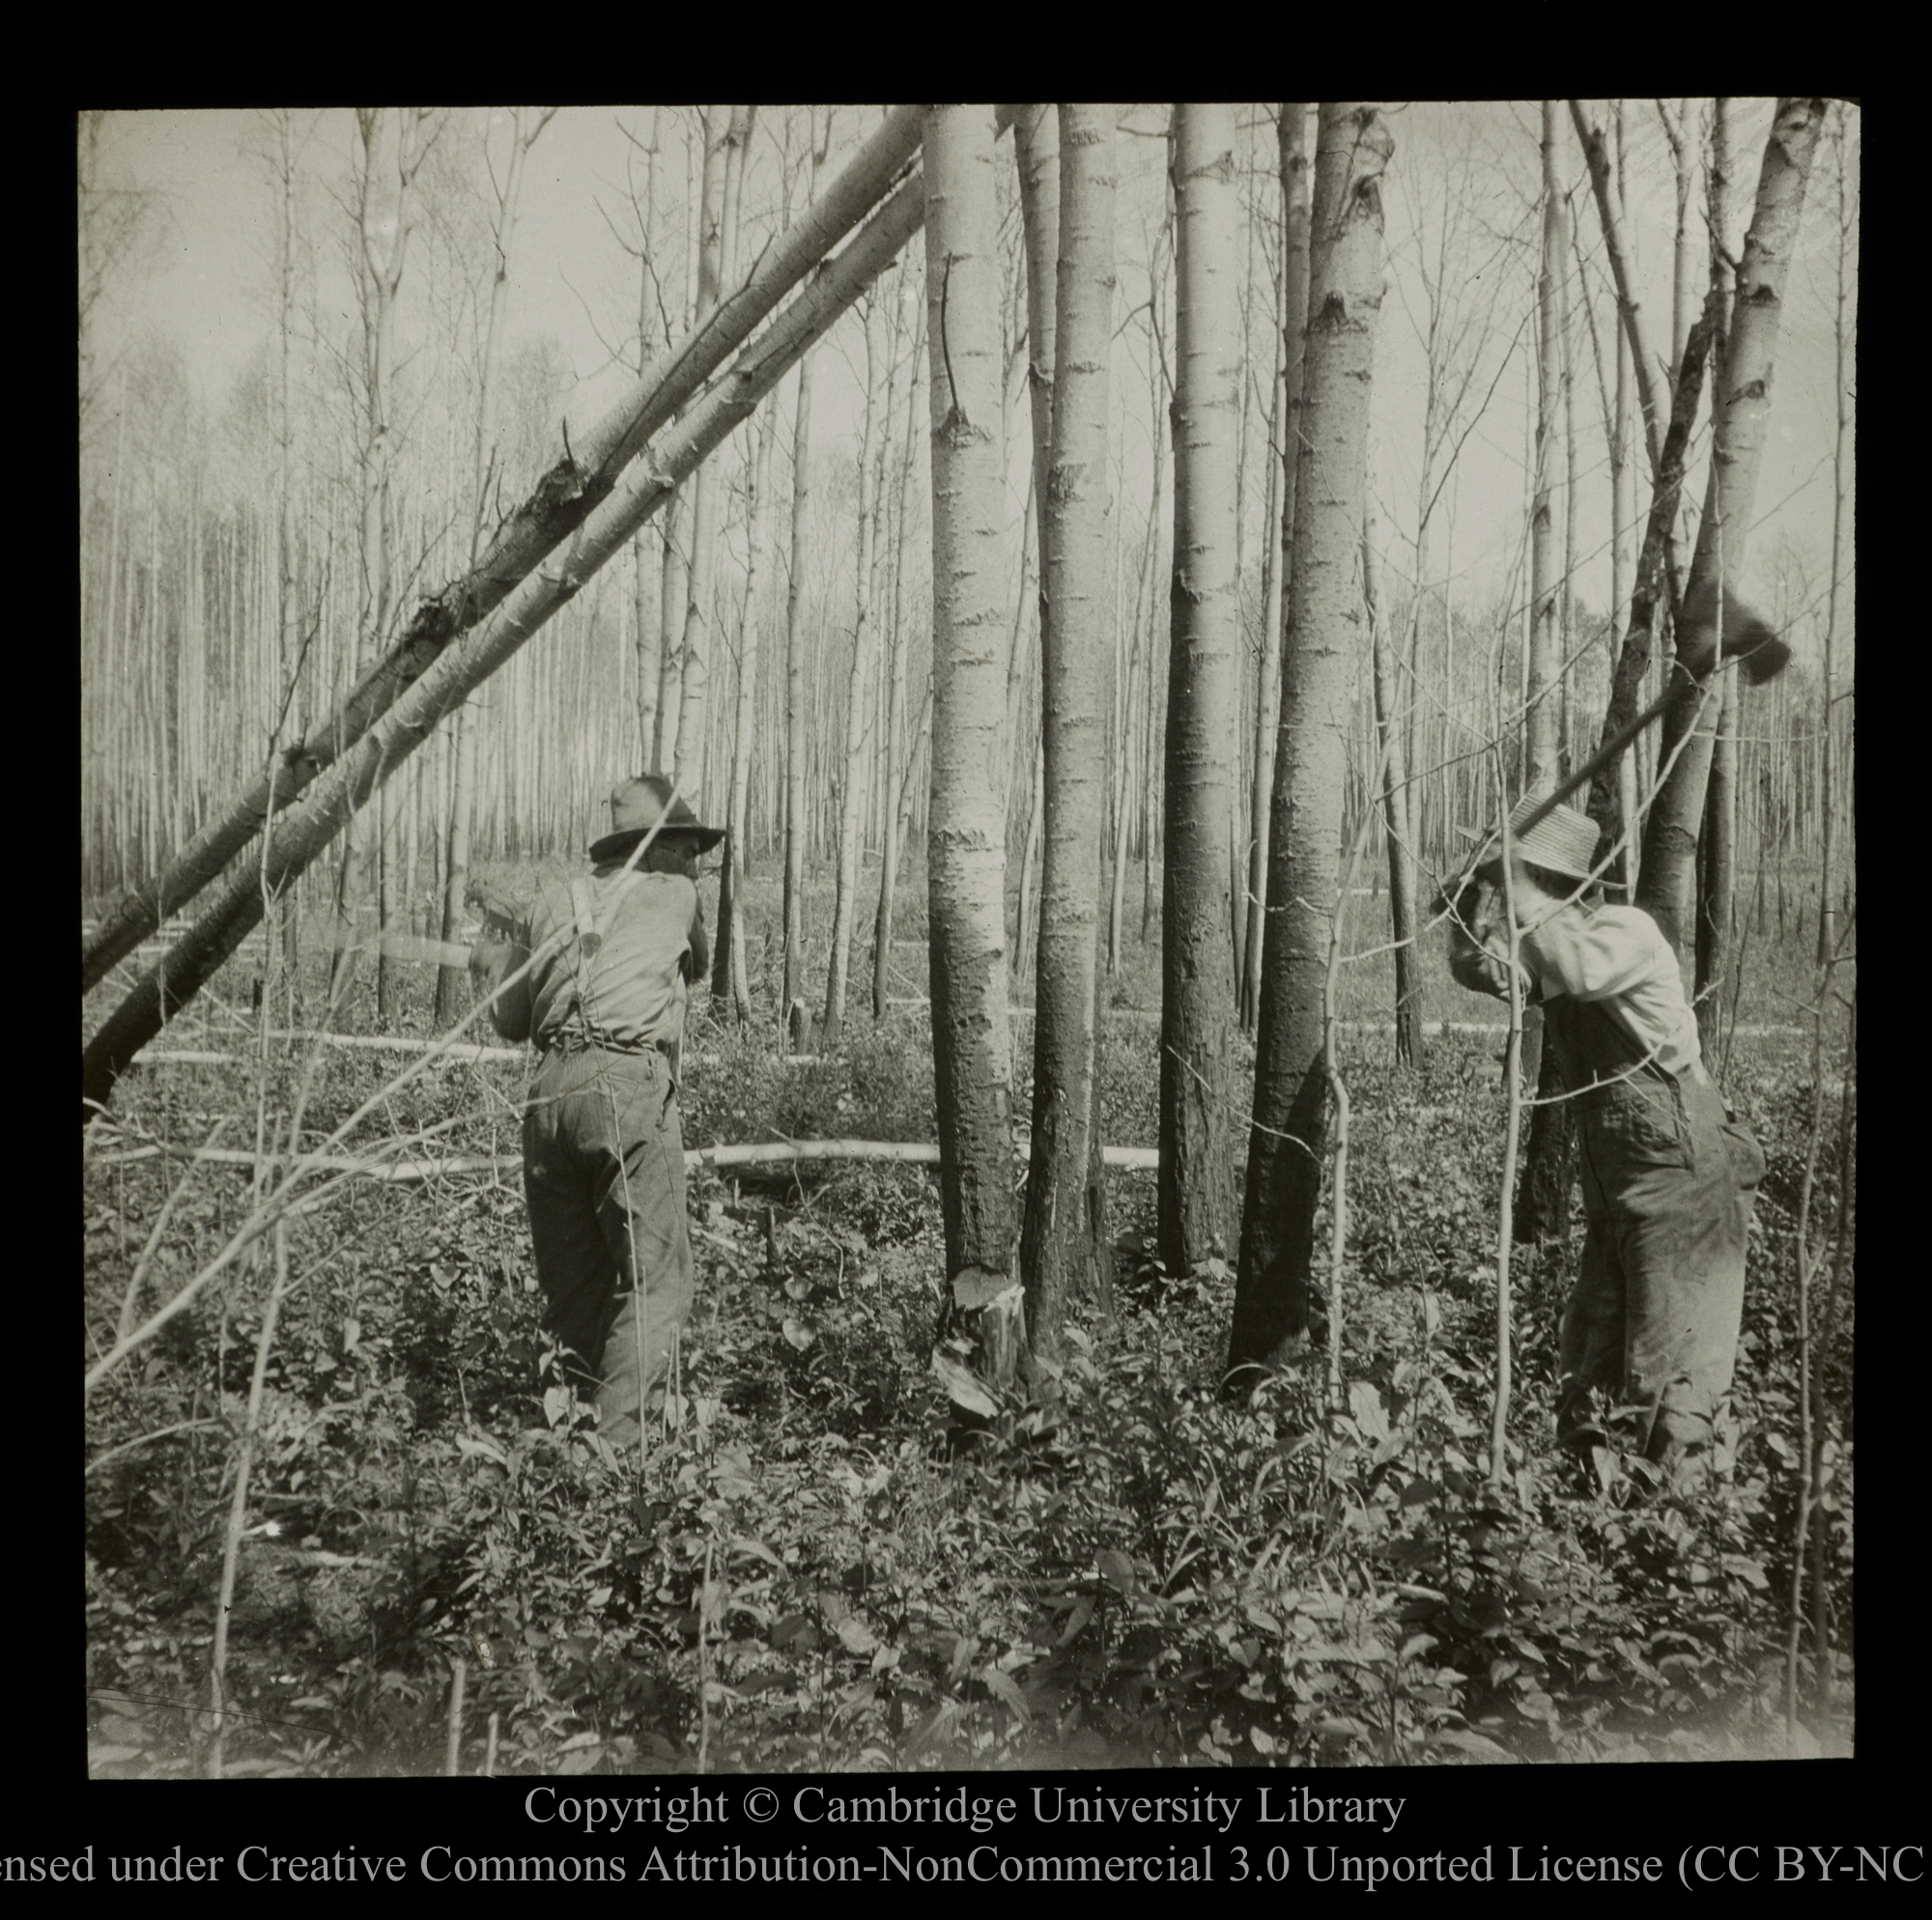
1703,646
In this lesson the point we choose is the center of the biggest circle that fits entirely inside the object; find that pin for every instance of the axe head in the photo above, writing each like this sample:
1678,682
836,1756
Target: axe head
1703,642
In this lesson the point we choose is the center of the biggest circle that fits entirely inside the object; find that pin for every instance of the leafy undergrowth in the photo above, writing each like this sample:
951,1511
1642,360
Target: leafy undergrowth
811,1571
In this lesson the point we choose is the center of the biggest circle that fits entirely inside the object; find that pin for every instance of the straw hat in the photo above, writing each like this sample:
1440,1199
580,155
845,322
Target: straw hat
645,802
1565,843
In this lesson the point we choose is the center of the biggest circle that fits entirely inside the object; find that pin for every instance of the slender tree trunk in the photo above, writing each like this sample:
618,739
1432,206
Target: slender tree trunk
1567,647
1684,131
1197,1094
897,770
858,723
1395,823
1843,332
1294,323
1542,677
1622,875
647,550
1036,154
797,830
1717,857
1250,896
1542,731
1742,412
1124,765
1548,1163
674,576
966,830
1062,1236
1653,399
680,510
383,239
729,974
1324,644
288,654
1028,890
1145,642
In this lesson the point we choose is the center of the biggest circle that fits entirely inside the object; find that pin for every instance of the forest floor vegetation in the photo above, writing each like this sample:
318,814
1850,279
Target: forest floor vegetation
813,1569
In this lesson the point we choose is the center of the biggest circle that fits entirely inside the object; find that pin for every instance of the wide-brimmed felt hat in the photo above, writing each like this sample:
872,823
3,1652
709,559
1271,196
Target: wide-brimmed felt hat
642,803
1565,843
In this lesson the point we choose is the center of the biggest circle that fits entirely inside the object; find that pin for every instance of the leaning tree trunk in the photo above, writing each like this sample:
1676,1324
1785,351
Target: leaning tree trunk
562,500
1197,1084
1742,410
966,826
1607,804
1324,645
466,663
1062,1236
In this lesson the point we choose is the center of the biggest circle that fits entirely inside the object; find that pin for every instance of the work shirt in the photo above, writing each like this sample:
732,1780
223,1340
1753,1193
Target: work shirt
1617,954
614,954
1614,956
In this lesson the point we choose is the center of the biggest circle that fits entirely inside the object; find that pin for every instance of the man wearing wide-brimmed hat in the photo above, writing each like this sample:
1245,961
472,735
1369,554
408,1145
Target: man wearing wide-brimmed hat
603,998
1669,1178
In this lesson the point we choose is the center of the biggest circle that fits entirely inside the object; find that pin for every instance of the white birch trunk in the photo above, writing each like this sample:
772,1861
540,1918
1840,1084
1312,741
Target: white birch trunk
966,829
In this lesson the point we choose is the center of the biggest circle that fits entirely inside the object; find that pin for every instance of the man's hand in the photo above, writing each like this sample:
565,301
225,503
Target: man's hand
1479,938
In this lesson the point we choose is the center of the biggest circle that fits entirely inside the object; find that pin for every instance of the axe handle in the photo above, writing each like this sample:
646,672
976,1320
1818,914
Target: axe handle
1550,802
1595,764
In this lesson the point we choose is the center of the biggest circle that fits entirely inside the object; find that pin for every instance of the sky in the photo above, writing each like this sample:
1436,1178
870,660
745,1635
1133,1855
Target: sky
573,282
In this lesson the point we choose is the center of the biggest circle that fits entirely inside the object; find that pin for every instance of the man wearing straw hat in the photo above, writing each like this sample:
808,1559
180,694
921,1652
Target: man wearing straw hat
1650,1335
610,958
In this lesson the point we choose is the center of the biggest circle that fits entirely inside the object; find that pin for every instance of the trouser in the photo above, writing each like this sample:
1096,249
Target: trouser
1652,1324
604,1179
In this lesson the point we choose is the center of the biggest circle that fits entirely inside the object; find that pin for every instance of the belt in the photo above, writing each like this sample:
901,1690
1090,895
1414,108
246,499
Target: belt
575,1040
1651,1073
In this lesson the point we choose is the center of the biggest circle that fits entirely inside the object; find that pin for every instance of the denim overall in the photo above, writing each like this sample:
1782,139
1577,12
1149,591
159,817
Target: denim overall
604,1180
1650,1335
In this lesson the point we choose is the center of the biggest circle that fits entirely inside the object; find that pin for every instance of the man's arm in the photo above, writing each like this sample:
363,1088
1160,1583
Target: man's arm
491,962
503,951
1479,943
1603,956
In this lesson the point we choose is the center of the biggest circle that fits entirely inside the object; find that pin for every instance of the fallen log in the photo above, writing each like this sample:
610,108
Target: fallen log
756,1153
